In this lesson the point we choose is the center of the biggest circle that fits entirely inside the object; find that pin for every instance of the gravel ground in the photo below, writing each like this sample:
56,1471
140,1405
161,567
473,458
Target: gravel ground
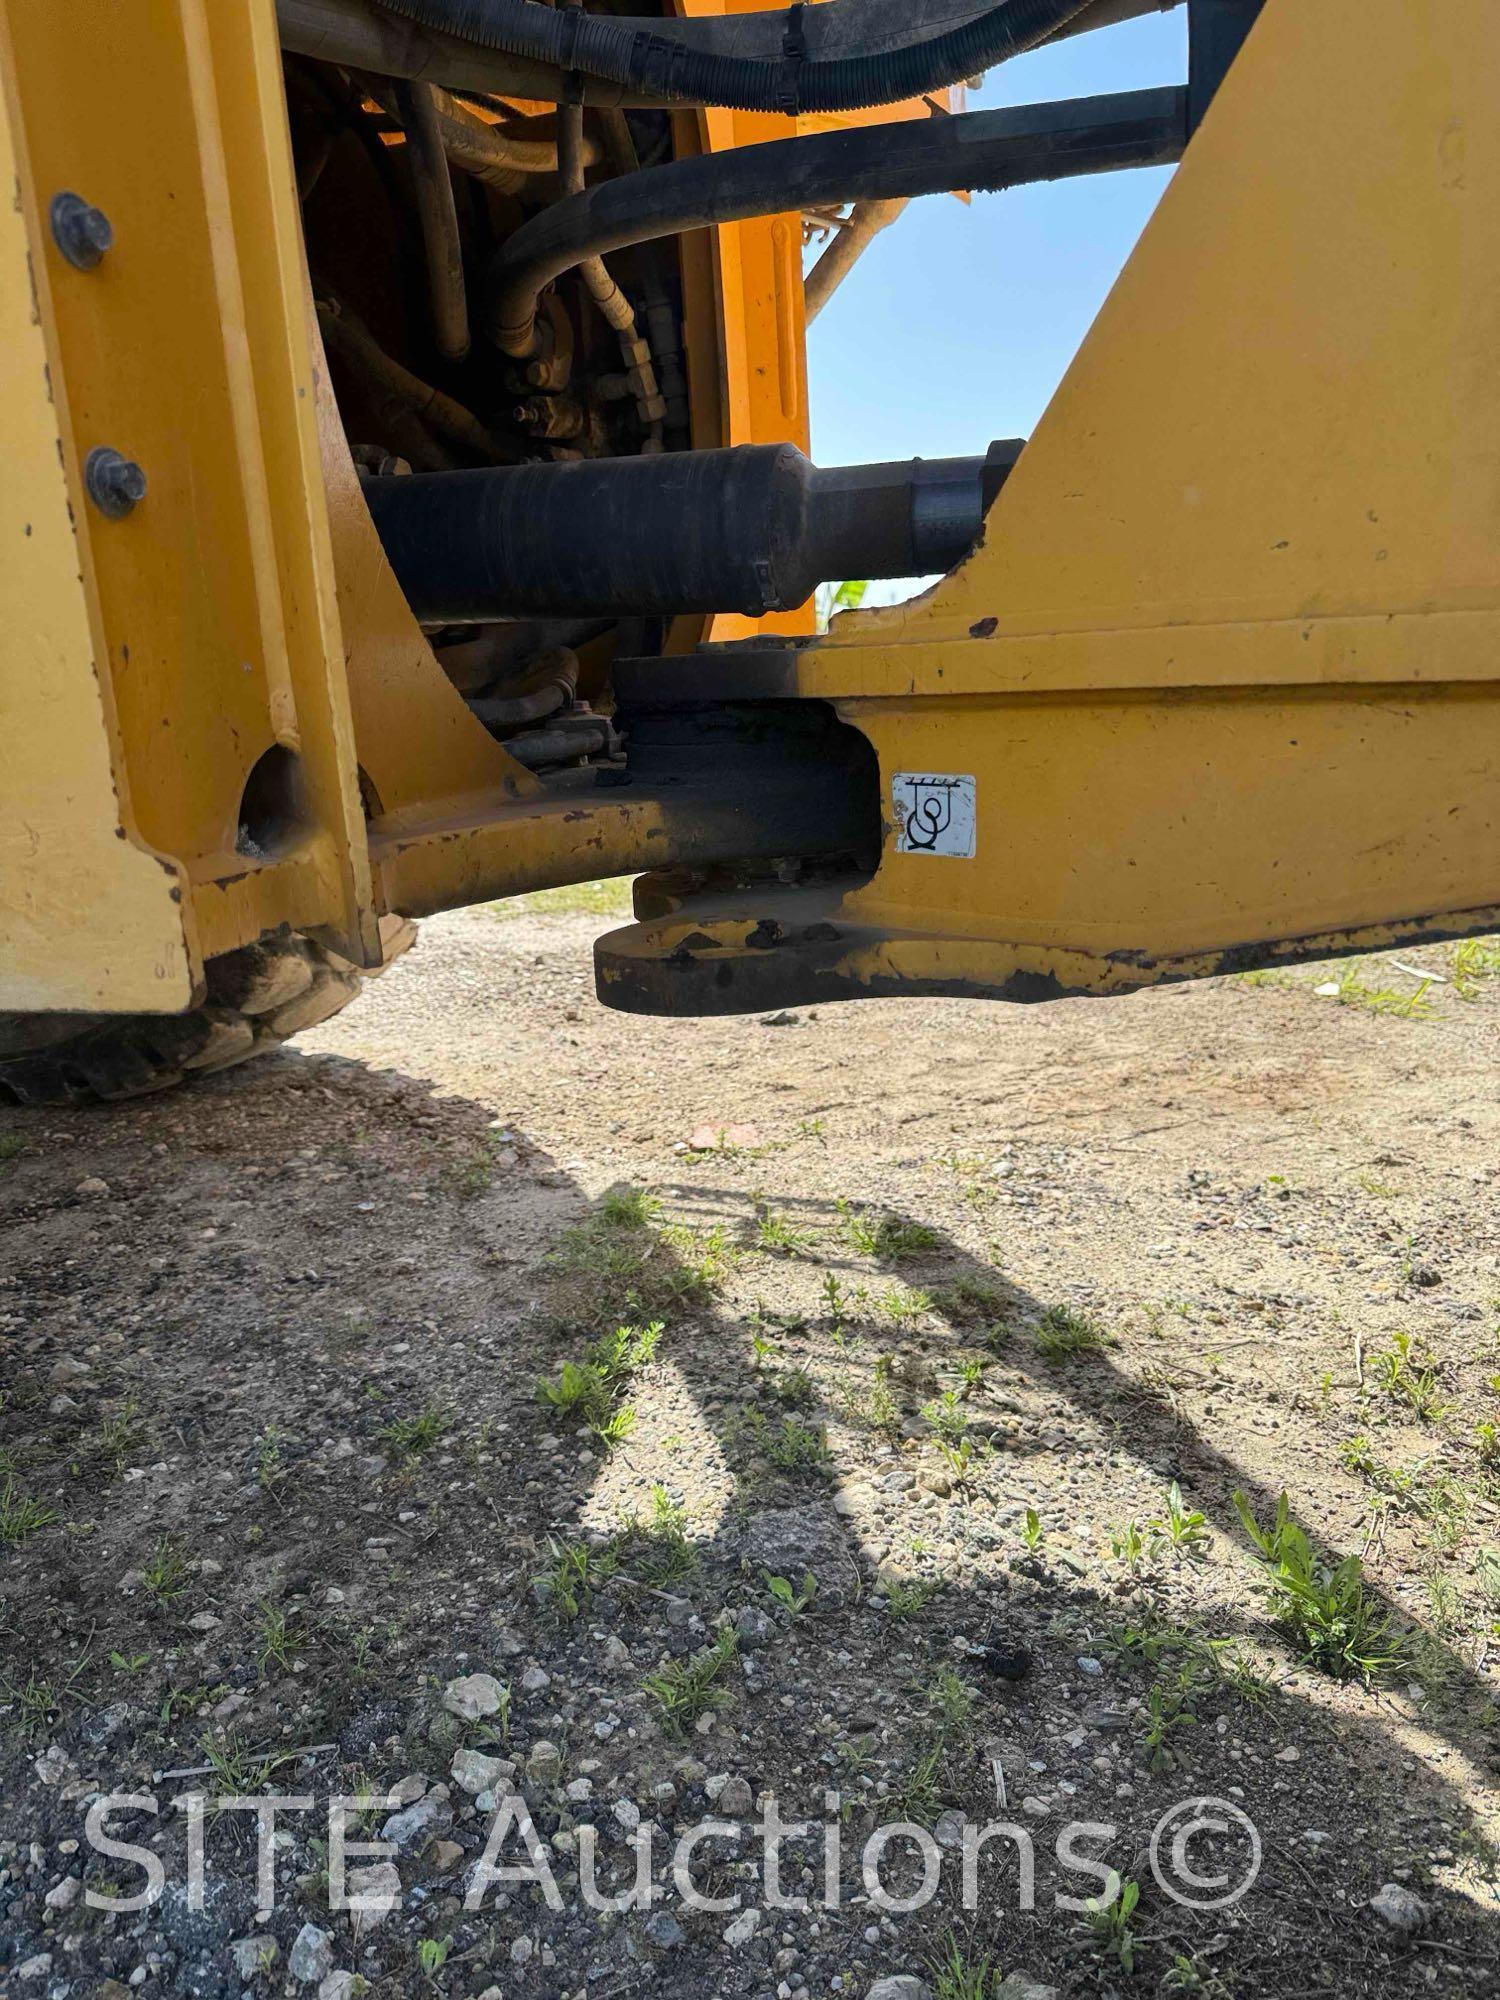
907,1496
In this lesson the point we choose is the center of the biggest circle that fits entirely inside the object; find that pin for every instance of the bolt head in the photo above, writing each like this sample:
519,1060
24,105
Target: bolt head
81,232
116,484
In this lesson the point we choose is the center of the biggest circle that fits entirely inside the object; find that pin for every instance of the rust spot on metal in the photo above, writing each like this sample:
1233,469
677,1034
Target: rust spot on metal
985,628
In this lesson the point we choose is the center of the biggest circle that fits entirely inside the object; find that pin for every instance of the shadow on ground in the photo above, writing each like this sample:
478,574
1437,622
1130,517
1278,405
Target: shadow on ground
269,1367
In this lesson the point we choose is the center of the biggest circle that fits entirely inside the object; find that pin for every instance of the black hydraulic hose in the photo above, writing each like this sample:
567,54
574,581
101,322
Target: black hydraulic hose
637,55
373,40
978,149
551,684
438,215
750,528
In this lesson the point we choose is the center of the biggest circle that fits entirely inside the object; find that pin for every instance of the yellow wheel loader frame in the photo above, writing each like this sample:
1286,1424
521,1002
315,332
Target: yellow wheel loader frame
1218,687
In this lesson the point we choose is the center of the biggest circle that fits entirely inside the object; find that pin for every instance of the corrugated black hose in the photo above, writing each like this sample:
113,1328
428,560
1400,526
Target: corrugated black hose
636,56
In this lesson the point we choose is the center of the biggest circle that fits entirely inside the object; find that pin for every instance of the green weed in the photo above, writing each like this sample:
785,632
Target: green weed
792,1600
684,1690
276,1644
946,1418
1351,991
953,1698
905,1600
270,1466
1186,1976
432,1954
795,1388
1063,1332
587,1388
613,1430
20,1515
790,1446
35,1701
961,1459
1358,1454
658,1552
122,1434
1167,1710
1410,1377
571,1576
1133,1542
235,1772
919,1798
1112,1924
893,1238
411,1436
628,1208
166,1575
902,1304
1474,961
1324,1606
1185,1529
775,1235
956,1976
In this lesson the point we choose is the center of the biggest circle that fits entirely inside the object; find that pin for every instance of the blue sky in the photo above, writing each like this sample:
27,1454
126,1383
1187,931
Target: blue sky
958,323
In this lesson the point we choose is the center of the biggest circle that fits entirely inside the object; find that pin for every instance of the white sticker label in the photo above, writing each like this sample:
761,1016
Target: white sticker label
934,814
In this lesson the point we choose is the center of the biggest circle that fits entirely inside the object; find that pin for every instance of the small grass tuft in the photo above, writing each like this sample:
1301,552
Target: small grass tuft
657,1551
122,1434
779,1237
905,1600
411,1436
956,1976
276,1643
1349,990
790,1446
628,1208
684,1689
1063,1332
166,1575
1474,961
612,1431
20,1515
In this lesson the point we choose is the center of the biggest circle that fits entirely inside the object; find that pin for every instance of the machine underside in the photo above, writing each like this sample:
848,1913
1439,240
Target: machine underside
476,539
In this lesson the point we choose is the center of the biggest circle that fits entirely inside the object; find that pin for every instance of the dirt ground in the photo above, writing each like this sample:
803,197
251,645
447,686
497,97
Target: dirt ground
908,1499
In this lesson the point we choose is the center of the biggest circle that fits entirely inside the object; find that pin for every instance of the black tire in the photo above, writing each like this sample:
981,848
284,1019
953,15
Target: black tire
258,998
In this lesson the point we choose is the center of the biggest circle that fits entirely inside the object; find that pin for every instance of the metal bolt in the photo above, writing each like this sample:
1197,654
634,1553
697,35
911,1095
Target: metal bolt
82,232
115,483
